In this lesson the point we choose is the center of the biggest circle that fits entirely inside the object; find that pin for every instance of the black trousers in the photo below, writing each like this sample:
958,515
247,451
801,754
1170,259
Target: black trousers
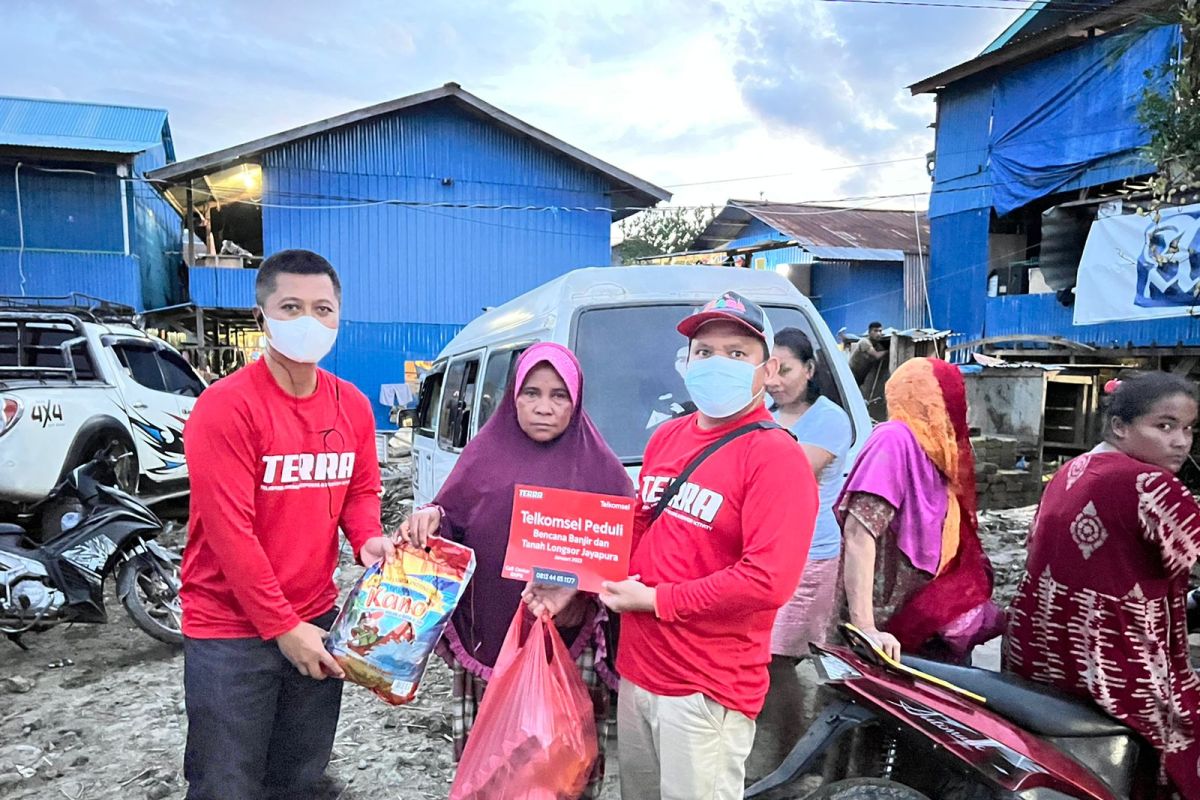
257,728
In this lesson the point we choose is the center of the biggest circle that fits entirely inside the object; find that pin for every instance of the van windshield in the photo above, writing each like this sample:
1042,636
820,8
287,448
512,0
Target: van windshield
633,362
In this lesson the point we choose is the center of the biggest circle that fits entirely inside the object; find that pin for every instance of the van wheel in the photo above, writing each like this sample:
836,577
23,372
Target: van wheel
866,789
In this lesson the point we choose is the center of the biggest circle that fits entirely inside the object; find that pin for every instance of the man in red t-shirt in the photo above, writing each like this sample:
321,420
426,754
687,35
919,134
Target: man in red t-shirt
710,572
281,454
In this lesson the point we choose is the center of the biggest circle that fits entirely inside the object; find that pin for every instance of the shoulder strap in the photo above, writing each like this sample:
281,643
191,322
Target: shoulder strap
673,489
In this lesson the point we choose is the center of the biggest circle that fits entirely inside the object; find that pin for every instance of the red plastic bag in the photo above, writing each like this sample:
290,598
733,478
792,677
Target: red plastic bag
535,734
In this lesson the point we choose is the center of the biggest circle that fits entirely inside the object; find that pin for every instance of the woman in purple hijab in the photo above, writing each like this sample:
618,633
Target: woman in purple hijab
539,436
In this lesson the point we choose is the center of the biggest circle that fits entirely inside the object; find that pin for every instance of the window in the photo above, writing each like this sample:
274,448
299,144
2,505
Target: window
634,362
501,366
458,398
142,363
178,375
40,347
427,401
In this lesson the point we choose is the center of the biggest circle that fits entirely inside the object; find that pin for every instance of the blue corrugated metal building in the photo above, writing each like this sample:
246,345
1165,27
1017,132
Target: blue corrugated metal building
432,207
1032,136
75,214
857,265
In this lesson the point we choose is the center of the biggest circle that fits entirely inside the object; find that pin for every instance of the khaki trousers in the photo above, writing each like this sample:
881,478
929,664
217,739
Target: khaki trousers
680,748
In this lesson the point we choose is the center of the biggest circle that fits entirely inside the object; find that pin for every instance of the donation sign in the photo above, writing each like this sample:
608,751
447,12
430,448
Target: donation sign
566,538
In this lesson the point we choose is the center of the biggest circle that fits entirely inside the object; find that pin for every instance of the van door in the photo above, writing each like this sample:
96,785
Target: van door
456,416
501,365
425,422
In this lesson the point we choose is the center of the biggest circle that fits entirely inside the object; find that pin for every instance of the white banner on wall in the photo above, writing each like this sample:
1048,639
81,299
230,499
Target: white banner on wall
1137,268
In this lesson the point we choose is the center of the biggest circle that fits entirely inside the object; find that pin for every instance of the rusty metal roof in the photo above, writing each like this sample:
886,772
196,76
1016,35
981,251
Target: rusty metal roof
820,226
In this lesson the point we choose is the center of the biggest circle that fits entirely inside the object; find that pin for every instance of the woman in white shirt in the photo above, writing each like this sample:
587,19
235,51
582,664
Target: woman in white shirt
823,430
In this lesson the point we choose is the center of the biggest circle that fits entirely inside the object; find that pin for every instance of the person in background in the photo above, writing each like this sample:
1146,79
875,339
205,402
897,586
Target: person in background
823,430
867,352
539,436
868,364
915,573
282,455
1101,609
710,571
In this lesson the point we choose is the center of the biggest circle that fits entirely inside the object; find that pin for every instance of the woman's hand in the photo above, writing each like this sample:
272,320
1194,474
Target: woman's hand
423,524
546,602
888,643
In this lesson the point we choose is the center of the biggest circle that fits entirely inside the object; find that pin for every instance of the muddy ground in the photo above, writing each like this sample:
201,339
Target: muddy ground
95,712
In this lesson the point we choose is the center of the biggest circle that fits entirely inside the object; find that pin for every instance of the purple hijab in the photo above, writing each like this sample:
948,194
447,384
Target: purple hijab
477,503
893,466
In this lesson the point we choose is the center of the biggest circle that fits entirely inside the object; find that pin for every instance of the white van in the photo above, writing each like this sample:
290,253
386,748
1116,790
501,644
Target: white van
620,322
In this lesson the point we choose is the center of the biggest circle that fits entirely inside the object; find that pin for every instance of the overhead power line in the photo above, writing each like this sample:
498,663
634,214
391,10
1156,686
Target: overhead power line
995,5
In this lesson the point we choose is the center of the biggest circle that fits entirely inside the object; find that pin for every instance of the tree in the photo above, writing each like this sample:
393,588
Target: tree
657,231
1170,110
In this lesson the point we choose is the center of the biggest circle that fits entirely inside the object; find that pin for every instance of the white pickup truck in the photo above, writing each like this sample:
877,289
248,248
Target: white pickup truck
72,384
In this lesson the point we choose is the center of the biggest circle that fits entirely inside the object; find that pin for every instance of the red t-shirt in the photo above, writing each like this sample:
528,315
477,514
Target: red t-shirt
725,556
272,478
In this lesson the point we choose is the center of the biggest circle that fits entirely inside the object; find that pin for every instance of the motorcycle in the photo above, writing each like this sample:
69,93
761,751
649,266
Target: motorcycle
918,729
46,583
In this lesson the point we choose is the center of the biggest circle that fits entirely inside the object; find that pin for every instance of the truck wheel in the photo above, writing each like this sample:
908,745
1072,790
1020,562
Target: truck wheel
126,467
866,789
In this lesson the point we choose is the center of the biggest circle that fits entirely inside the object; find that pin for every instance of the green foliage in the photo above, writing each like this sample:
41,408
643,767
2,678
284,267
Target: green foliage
1170,111
658,231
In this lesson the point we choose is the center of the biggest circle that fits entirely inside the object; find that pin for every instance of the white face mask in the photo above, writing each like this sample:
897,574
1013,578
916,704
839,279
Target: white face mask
720,387
303,339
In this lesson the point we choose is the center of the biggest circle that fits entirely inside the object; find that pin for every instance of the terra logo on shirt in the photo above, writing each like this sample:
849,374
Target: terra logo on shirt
306,470
696,501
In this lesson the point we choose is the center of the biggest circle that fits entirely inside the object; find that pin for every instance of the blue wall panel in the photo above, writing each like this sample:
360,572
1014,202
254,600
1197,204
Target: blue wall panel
216,287
108,276
155,236
755,232
853,294
958,268
371,354
1042,314
964,123
62,211
433,265
413,276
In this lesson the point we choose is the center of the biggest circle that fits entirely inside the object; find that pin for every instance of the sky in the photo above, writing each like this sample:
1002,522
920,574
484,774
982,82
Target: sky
711,99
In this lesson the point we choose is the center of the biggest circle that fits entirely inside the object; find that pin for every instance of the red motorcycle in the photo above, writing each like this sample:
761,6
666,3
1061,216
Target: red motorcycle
922,729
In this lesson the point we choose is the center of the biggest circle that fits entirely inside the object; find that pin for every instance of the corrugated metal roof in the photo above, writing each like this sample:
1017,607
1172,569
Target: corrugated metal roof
26,122
627,189
1045,28
821,226
855,254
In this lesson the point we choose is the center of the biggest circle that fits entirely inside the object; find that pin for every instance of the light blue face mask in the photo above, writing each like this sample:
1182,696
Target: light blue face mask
721,387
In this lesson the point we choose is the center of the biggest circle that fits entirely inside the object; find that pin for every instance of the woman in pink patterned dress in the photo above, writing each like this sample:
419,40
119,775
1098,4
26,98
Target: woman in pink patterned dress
1101,612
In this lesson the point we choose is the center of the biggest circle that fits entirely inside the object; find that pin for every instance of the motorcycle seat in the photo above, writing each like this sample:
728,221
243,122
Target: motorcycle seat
1036,708
14,542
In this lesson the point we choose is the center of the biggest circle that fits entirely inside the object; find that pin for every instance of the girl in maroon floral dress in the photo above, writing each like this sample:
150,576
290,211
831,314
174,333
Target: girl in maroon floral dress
1101,612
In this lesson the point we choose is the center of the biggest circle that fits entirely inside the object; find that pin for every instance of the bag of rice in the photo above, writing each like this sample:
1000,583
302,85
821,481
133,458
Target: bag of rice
395,615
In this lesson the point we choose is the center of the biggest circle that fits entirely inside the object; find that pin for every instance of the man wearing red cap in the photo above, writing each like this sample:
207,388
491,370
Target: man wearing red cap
710,566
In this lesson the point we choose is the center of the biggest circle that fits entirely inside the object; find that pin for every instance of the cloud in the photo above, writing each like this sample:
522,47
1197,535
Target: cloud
838,72
675,91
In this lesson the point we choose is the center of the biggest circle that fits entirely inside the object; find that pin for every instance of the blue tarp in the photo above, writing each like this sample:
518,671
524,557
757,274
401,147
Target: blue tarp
1066,121
1056,118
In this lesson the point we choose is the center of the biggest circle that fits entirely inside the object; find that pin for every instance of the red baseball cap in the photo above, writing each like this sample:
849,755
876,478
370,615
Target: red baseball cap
729,307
